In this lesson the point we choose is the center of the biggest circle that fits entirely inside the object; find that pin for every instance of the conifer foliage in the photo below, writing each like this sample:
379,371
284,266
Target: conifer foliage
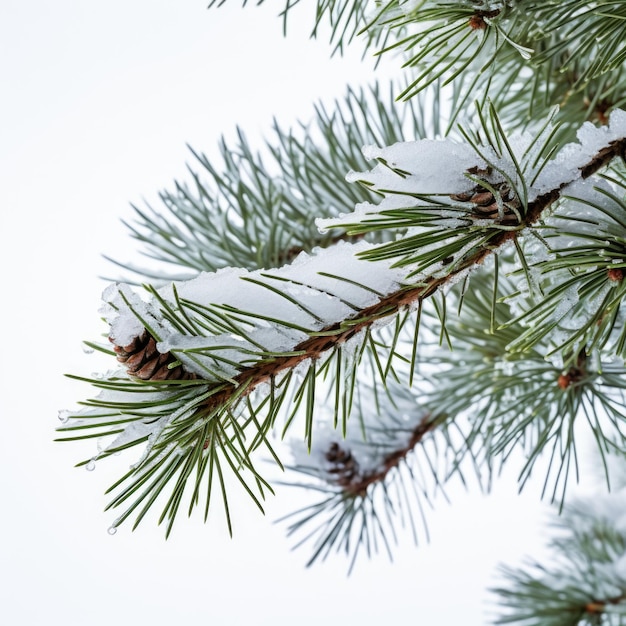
457,297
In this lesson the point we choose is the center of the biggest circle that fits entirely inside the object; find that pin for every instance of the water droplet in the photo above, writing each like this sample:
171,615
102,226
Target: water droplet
87,349
64,416
91,466
112,530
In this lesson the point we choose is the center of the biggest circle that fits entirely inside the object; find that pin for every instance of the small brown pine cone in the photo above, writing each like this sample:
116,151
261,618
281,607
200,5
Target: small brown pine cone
486,205
345,468
576,373
477,21
144,361
563,381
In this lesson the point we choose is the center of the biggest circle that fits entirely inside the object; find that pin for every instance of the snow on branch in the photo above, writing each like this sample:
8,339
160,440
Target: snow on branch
247,326
409,171
220,322
387,464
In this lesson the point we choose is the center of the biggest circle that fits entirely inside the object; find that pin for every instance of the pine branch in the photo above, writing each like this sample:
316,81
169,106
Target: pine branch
519,400
526,57
392,303
585,581
263,326
371,477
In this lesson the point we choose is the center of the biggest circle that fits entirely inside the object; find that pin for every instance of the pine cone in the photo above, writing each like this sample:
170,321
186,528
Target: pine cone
576,373
144,361
345,467
486,204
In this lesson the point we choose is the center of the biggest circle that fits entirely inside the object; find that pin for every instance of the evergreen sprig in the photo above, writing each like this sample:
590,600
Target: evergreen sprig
585,580
525,56
301,317
382,472
443,40
518,400
469,307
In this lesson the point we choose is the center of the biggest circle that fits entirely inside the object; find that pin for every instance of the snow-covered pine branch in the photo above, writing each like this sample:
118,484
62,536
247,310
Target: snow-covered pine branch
585,580
235,325
388,452
216,340
508,247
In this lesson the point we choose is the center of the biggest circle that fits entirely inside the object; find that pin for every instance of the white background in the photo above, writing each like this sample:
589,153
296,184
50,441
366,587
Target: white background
97,102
